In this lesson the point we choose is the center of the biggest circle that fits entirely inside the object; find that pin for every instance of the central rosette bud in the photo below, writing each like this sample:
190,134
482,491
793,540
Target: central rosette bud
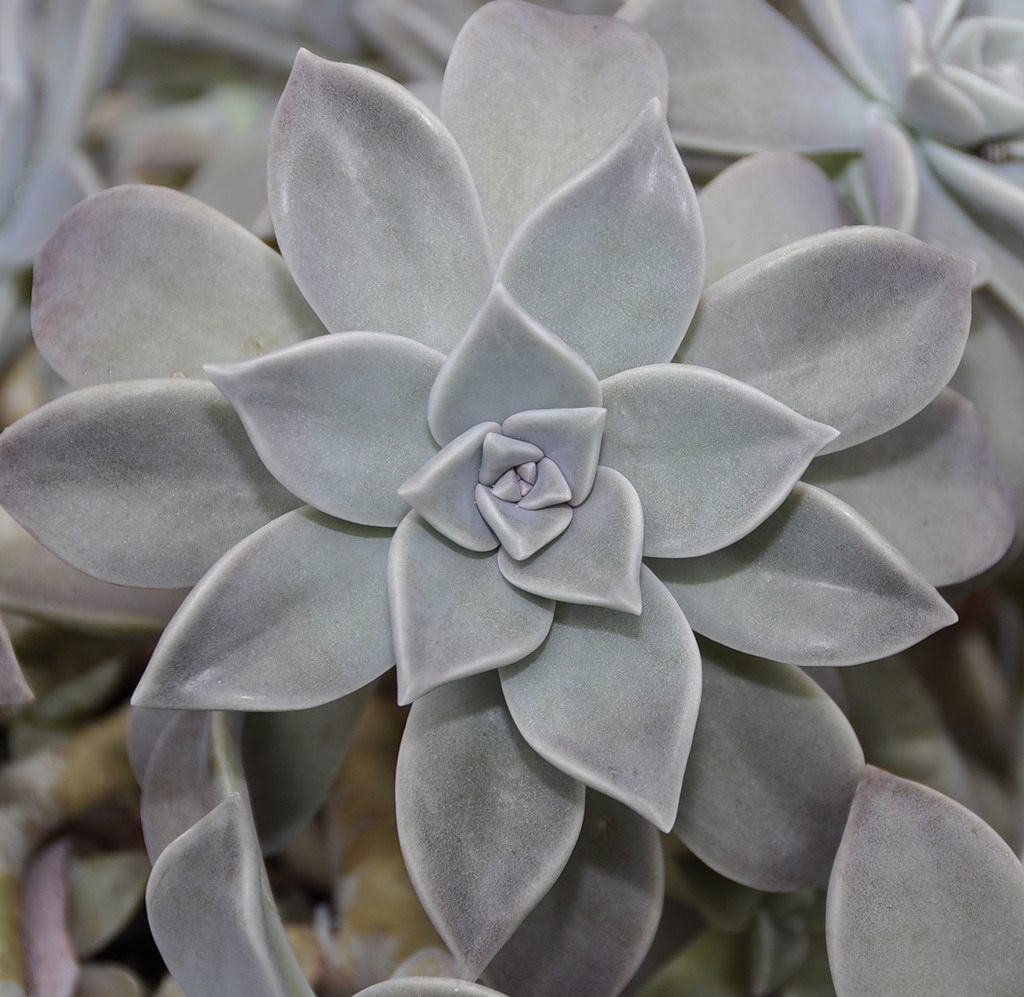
522,495
514,483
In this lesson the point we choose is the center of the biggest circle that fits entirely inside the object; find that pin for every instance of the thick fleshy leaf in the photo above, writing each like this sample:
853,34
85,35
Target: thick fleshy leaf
452,614
762,203
427,986
339,420
35,583
932,486
442,490
789,96
771,775
191,768
710,457
374,206
486,825
864,357
814,585
925,898
992,376
580,81
988,189
500,453
596,561
548,488
17,100
13,687
522,531
926,97
208,900
589,934
612,699
212,913
632,203
292,617
570,437
859,36
504,364
291,760
893,181
145,282
139,483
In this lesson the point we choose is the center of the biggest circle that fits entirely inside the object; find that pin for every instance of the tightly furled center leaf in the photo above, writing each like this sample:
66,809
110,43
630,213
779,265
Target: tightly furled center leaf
523,491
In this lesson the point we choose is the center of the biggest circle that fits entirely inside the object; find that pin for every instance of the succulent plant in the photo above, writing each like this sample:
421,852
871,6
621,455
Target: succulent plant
514,493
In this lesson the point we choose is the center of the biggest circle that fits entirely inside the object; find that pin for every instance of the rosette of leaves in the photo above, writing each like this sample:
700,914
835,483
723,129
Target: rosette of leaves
513,492
928,98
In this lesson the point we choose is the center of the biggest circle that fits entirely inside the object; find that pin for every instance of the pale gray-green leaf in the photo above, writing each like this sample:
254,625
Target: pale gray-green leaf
872,350
579,82
589,934
619,245
762,203
815,584
138,483
710,456
767,808
486,825
35,583
340,420
13,687
612,699
932,486
292,617
506,362
374,206
452,613
212,913
596,561
145,282
925,898
789,96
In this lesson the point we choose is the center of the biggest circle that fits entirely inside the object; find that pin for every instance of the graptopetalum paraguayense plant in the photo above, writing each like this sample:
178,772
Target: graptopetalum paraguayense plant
514,493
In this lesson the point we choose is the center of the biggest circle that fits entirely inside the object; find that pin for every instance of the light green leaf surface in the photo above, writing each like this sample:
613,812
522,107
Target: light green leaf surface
452,613
710,457
789,95
931,486
762,203
612,699
589,934
506,363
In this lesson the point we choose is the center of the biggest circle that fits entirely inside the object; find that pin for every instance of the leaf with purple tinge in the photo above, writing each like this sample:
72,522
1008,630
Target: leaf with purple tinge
925,898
